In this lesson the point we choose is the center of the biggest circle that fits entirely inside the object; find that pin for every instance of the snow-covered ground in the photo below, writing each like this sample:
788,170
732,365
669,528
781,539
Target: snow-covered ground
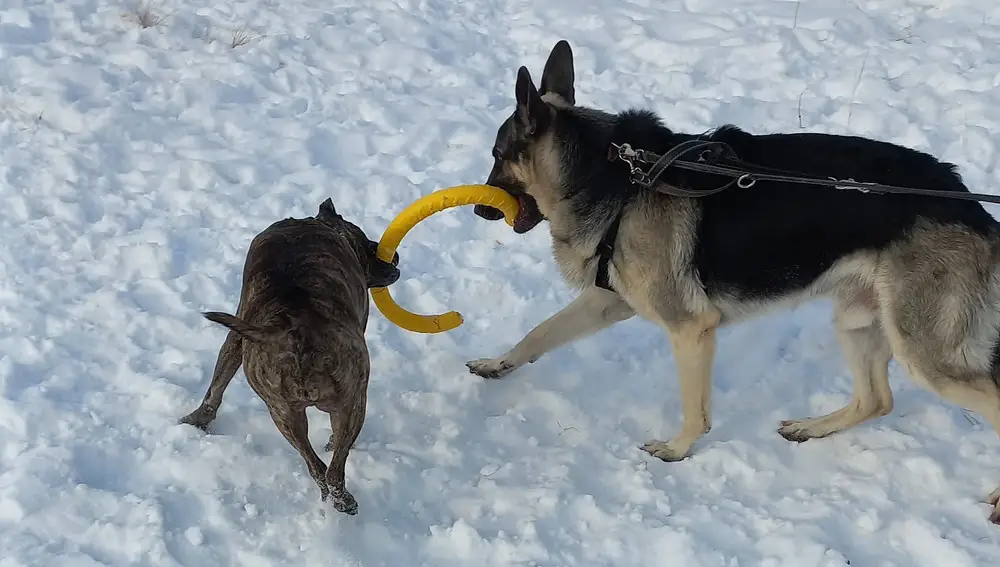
136,165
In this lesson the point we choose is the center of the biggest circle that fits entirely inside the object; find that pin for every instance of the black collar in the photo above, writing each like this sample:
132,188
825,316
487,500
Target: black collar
605,250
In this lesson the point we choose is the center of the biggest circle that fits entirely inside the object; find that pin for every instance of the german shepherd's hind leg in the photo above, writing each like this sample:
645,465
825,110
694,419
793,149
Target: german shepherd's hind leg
867,351
939,296
980,395
693,343
593,310
228,362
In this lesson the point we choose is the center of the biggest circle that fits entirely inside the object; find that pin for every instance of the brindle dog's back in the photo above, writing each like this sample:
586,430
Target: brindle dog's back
299,267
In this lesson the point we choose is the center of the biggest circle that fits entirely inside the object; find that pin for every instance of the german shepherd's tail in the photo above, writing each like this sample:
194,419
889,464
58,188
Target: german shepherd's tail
244,329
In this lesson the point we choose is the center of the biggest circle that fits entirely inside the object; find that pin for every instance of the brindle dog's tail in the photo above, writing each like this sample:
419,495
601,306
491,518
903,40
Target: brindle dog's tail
244,329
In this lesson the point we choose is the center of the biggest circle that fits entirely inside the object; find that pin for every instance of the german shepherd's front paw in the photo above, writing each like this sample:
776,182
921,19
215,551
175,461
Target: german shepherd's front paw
994,500
663,450
490,367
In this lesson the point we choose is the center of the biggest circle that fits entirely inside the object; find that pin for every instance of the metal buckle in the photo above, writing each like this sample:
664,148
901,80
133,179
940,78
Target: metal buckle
851,180
626,153
745,181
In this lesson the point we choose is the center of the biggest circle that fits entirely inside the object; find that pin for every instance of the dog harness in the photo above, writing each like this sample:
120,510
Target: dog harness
647,180
605,250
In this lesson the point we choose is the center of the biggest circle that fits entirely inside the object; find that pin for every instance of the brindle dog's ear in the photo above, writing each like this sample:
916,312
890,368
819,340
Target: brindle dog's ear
327,212
532,112
381,274
373,248
558,76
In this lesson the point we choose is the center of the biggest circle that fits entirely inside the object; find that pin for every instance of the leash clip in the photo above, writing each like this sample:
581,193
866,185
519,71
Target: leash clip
630,157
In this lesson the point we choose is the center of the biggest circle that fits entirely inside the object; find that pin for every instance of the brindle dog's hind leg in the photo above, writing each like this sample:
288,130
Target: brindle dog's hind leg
346,424
294,425
228,362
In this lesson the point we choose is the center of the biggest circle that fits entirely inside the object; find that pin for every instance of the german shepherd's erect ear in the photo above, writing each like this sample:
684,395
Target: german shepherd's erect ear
558,76
532,112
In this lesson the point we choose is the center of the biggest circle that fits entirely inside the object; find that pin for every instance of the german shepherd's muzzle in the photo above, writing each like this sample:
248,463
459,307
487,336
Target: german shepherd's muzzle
509,143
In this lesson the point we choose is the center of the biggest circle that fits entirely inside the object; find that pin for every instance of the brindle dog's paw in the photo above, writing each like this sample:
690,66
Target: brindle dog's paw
345,503
490,367
199,418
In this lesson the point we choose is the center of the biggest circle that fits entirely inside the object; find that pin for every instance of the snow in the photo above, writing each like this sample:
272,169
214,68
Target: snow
136,165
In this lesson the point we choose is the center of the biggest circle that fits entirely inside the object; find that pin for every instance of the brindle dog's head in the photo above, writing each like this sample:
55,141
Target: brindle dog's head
380,273
525,155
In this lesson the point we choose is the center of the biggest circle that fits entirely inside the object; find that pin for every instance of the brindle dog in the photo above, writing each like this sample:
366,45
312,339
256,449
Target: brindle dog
299,332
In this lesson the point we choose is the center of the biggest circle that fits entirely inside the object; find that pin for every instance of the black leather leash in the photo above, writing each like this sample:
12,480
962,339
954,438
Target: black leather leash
719,158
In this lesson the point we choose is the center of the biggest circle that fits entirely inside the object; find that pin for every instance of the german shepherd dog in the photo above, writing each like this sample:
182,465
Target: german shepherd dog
911,277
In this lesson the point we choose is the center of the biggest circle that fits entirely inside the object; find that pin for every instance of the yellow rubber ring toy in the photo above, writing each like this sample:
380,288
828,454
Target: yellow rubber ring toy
420,209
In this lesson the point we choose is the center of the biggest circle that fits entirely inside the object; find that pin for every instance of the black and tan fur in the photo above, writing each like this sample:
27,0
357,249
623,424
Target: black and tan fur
299,332
915,278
